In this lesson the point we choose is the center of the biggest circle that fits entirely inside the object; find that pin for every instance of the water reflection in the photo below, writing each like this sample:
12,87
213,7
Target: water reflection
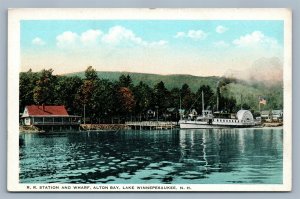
178,157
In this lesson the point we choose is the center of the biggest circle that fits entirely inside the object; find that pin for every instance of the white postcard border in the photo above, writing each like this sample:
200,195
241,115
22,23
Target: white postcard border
16,15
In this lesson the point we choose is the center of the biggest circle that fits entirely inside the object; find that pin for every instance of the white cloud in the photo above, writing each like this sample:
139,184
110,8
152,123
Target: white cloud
221,29
179,34
256,38
157,43
221,44
197,34
67,38
90,36
193,34
38,41
119,34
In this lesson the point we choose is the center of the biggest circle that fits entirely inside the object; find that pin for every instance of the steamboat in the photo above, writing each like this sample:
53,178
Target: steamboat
242,119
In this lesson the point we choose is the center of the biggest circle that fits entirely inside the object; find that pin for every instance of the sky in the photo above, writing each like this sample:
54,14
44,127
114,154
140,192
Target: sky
195,47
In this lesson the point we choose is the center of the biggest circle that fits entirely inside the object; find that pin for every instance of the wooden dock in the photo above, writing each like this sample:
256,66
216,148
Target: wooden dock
151,125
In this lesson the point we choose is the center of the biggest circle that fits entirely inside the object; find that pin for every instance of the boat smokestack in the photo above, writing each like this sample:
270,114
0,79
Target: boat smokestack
217,102
202,103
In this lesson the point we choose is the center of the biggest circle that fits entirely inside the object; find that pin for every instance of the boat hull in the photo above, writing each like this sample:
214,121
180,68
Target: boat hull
195,125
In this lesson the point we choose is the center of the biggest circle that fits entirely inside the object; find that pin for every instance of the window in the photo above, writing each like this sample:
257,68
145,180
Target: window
27,121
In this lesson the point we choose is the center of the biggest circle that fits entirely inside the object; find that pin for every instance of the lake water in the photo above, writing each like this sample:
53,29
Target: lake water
252,156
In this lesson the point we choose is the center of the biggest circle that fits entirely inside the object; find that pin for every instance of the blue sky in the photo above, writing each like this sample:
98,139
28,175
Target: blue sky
210,47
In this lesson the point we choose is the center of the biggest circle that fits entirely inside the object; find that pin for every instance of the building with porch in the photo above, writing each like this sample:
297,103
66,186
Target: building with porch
54,118
277,115
266,115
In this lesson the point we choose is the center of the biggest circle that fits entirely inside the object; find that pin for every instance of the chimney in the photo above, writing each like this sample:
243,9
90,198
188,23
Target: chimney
43,107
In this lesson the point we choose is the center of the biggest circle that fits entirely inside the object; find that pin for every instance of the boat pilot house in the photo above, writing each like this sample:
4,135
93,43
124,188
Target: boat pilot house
54,118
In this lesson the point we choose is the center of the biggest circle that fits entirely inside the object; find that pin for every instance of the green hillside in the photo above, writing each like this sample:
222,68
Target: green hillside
171,81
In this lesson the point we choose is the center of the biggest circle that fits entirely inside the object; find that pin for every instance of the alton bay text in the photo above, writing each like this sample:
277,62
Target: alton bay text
105,187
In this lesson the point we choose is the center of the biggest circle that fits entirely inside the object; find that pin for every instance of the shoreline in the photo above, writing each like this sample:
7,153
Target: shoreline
118,127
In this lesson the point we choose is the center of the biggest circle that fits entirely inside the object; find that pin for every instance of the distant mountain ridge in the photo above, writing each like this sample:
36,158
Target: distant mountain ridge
170,81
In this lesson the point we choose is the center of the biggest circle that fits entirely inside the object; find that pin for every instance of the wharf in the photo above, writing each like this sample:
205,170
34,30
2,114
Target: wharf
151,125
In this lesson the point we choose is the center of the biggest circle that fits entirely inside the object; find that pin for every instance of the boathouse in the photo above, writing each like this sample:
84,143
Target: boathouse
55,118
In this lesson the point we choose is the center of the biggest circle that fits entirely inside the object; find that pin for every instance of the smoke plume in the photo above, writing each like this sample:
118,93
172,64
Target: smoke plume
268,71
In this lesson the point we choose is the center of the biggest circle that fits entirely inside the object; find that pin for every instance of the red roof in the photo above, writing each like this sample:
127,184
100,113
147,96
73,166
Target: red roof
46,110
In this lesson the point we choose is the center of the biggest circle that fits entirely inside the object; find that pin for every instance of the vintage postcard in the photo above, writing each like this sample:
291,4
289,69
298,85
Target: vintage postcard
172,100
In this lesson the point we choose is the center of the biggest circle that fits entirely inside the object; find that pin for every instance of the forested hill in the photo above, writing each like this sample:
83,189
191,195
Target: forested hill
170,81
250,91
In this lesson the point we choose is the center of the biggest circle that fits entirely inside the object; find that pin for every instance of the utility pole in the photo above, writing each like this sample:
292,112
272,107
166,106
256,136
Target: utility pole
202,103
157,114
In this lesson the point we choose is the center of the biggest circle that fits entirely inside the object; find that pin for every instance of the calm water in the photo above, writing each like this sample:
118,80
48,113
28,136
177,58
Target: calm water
143,157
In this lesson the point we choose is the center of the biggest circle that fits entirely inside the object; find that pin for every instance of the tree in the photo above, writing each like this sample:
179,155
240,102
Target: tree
104,100
188,98
26,86
66,90
91,74
144,98
229,105
126,99
246,106
83,99
125,81
161,96
175,98
43,91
